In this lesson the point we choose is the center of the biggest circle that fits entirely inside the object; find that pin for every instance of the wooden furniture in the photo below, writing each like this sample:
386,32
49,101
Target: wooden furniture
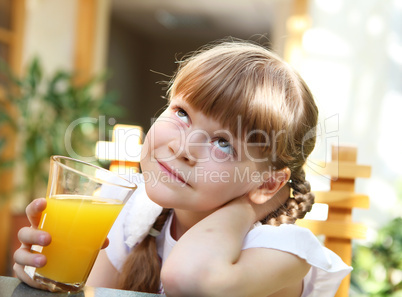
339,229
12,20
12,24
124,151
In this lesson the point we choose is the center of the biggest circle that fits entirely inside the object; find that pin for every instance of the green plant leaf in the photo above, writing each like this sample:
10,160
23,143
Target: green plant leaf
47,105
34,74
375,263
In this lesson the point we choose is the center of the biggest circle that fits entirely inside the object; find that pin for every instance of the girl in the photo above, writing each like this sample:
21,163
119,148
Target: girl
225,162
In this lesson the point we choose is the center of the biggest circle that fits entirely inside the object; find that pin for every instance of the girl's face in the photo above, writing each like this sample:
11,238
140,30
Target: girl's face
191,162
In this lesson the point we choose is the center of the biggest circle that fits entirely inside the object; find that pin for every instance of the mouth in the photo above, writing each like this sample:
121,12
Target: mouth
172,173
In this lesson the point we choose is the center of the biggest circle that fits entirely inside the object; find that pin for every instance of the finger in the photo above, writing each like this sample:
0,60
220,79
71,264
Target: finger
105,244
23,256
29,236
21,274
34,211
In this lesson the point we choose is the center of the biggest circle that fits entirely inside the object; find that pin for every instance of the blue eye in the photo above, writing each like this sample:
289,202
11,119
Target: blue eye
223,145
182,115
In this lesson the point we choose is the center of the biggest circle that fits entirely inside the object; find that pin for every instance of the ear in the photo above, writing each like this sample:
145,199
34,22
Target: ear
271,184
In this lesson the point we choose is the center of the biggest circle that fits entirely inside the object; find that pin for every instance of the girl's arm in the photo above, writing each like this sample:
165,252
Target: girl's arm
103,273
208,261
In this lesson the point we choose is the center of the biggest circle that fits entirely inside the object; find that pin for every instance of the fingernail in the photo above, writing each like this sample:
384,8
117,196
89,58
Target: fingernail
38,261
42,239
37,204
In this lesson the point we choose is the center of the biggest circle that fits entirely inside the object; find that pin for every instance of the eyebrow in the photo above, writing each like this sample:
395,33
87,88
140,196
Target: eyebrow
186,106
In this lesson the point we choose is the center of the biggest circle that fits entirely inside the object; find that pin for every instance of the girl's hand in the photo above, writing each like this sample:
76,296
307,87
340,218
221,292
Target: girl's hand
254,211
259,204
29,236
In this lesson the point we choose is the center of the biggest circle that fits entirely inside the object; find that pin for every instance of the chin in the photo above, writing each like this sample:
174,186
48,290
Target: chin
154,193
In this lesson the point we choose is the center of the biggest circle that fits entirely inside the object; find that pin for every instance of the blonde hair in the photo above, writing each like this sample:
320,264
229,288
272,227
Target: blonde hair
237,80
240,80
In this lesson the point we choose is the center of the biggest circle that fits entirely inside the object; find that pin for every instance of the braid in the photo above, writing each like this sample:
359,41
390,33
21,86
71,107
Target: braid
297,205
141,270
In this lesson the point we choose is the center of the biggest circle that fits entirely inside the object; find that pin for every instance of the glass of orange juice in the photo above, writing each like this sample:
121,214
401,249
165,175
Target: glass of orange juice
83,201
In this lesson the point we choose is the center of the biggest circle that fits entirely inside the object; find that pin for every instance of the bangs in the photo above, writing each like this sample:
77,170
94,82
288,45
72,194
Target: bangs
223,101
221,90
251,93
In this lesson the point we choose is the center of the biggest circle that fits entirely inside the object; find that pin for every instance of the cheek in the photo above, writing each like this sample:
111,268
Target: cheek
246,177
229,179
158,136
145,149
154,137
148,148
164,130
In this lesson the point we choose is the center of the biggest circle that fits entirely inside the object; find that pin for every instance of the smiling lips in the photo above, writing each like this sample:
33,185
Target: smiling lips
166,168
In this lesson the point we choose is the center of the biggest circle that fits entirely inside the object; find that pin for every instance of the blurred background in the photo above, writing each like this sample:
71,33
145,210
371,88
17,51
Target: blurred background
105,62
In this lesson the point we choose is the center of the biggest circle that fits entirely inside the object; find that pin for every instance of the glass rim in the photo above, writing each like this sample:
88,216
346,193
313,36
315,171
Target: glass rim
56,158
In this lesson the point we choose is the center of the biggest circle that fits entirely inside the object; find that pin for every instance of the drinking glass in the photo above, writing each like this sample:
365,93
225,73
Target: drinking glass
83,201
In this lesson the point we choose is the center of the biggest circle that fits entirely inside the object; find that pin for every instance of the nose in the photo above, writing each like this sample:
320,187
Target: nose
190,148
180,152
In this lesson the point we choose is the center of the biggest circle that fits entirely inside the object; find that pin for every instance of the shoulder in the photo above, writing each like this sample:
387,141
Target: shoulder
327,269
286,237
285,232
295,240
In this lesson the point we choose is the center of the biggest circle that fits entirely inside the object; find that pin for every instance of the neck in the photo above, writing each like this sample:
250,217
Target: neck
183,220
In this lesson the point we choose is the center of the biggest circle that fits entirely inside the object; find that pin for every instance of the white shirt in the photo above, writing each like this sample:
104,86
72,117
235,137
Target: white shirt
326,272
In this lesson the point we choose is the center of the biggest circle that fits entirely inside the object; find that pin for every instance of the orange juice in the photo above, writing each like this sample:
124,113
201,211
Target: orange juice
78,226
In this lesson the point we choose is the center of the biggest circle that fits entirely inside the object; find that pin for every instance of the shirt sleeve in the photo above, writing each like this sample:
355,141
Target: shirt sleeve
327,268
